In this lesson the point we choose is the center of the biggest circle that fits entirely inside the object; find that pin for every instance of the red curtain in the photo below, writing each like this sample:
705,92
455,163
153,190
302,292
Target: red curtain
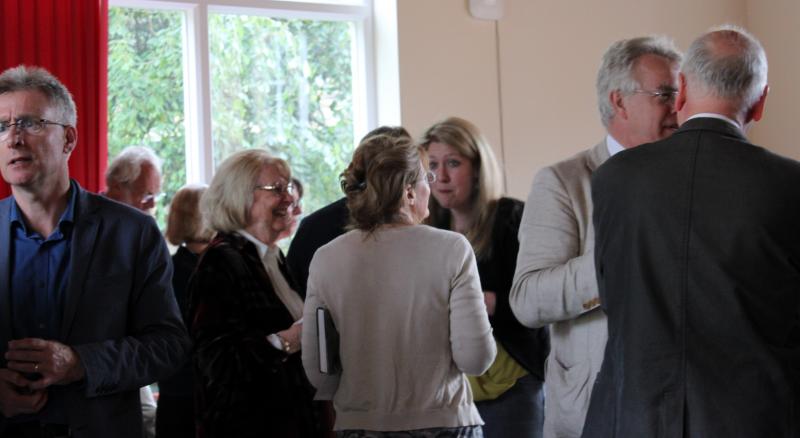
70,39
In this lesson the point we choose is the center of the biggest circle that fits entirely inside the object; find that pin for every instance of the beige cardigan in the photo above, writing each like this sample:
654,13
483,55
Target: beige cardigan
408,304
555,284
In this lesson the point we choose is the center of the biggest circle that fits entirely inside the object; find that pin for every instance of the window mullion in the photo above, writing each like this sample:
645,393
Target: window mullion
199,161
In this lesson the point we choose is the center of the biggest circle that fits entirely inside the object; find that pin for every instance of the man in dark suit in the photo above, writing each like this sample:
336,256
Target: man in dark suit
87,314
698,264
324,225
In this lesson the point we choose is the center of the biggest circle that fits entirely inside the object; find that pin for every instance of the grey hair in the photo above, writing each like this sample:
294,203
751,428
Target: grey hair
729,63
226,203
23,78
127,166
616,68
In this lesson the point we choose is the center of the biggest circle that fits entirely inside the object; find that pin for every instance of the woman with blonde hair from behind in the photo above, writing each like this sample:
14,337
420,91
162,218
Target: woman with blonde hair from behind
467,199
406,302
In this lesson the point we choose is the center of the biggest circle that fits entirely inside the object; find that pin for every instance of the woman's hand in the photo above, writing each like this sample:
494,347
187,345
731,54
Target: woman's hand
290,338
490,299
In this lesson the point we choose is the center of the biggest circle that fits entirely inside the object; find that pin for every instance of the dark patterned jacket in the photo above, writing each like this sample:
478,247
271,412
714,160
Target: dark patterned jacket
244,387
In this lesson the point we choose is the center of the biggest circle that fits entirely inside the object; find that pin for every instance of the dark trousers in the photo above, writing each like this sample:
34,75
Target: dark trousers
36,429
518,412
436,432
175,417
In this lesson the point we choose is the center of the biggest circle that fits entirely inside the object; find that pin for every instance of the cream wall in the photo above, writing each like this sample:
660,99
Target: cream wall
448,66
527,80
775,23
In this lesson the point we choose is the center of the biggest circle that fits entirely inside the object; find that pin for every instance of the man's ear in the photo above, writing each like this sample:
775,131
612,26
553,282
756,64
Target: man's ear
70,139
618,103
756,112
680,99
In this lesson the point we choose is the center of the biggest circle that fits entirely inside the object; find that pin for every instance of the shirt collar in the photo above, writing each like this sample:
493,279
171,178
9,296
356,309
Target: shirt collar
613,145
67,217
262,248
716,116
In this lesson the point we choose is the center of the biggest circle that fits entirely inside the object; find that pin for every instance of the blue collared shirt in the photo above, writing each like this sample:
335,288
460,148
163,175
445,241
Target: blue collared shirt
40,273
613,146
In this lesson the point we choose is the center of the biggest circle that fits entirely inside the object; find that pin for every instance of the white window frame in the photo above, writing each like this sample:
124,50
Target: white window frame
196,65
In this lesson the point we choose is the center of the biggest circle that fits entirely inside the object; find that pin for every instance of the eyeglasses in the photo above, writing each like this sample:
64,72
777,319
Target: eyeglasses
278,188
429,177
666,97
151,197
27,125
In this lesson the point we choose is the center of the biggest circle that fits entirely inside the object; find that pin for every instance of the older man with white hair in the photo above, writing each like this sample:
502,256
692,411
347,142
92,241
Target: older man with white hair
134,178
698,263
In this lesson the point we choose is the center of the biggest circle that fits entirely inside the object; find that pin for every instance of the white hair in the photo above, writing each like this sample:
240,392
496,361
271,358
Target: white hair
126,167
730,63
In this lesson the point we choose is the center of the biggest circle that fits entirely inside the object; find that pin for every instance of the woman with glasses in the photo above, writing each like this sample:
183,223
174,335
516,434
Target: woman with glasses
244,316
467,199
406,301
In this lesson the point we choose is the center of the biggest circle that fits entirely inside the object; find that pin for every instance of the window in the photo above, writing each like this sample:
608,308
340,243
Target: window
197,81
145,89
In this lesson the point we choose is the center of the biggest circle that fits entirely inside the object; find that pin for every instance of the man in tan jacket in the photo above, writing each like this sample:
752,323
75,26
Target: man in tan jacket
555,276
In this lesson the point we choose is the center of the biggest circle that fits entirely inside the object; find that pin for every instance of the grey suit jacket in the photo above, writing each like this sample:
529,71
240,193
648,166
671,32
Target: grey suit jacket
120,315
555,284
698,266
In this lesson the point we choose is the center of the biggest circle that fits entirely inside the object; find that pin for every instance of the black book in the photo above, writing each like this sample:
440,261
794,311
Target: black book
327,343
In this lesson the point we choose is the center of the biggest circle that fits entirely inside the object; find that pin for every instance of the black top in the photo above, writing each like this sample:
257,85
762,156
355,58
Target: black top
527,346
316,230
184,262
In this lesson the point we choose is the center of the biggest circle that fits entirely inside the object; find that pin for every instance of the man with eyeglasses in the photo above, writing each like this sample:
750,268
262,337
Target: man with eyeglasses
134,178
554,283
87,314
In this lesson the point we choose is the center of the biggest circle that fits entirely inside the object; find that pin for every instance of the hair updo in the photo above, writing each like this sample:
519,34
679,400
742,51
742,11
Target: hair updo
375,181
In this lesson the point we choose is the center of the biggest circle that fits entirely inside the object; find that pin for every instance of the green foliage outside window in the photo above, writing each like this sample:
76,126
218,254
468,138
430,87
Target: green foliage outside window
145,90
284,85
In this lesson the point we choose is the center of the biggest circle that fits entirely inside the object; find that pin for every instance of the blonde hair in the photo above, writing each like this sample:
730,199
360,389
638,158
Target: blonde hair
184,221
487,187
226,204
374,182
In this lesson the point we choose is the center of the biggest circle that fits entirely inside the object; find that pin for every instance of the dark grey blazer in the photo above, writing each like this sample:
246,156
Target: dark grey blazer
698,265
316,230
120,315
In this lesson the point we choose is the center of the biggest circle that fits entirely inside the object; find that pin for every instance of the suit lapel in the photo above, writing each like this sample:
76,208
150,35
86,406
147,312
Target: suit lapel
5,280
84,237
597,155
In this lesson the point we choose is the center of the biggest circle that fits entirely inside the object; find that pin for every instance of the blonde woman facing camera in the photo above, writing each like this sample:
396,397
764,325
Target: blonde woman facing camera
244,315
467,199
406,301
